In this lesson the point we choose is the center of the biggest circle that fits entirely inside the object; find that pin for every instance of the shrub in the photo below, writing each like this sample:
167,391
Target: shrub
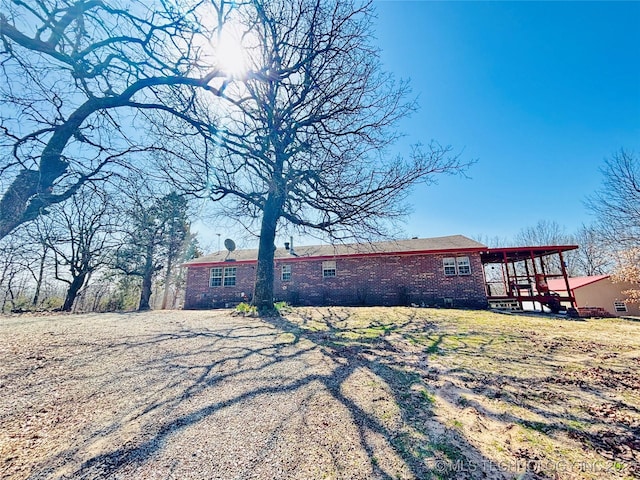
282,307
246,309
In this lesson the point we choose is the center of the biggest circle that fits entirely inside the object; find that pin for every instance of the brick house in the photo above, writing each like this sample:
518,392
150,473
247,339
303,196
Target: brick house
443,271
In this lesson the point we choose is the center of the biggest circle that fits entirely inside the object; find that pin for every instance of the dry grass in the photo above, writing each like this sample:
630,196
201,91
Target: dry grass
322,393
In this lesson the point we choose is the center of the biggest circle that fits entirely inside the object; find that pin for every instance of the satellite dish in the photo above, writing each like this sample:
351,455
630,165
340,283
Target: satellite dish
229,244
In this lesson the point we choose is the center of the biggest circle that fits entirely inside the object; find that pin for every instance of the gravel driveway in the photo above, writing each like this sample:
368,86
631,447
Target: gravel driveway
181,395
323,393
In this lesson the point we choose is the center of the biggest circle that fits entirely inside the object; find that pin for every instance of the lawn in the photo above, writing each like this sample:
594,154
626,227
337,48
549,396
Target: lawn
319,393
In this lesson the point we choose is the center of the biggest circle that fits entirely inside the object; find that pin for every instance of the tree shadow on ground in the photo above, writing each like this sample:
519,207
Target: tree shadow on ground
563,388
355,371
362,380
599,414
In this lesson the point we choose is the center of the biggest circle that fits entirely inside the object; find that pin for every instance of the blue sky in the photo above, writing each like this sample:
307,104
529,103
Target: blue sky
538,92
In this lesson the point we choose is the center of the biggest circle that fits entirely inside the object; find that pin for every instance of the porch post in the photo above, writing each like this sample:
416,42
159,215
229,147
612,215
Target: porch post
566,280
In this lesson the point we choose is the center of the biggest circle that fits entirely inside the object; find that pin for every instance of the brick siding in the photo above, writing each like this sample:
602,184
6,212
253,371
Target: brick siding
200,295
371,280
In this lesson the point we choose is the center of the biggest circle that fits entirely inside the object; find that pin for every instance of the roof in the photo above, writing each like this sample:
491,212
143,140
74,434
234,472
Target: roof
557,284
516,254
453,243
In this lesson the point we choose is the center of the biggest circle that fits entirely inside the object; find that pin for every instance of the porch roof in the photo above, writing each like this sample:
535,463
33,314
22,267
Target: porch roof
516,254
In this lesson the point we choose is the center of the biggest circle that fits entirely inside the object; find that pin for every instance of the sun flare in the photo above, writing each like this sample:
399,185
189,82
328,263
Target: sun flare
230,54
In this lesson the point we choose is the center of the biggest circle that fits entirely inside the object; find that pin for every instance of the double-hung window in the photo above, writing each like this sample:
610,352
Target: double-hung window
329,269
222,276
456,266
286,273
449,266
230,276
215,279
464,266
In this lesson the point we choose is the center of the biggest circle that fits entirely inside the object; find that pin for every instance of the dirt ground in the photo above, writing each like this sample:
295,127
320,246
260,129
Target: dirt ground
326,393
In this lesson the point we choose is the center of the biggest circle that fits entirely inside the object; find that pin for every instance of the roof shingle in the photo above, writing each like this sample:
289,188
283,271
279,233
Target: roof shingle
414,245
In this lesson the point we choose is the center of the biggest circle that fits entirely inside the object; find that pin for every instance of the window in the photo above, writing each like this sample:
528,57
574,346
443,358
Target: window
286,273
215,280
449,266
329,269
620,306
464,266
229,276
222,276
456,266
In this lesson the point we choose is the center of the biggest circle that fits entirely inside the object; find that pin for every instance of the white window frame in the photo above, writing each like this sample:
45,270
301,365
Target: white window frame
217,277
620,306
229,278
449,266
285,275
329,269
463,265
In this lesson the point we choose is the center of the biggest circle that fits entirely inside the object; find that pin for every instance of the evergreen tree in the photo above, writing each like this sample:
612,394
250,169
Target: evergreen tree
154,241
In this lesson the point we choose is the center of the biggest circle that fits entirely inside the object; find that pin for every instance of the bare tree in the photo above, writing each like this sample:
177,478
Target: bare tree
74,74
617,204
31,253
594,257
22,269
307,145
81,235
544,232
494,241
38,273
548,233
299,138
9,272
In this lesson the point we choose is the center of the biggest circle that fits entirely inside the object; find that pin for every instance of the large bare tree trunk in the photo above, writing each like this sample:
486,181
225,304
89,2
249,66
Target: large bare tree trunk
167,284
263,292
30,192
72,293
39,280
147,280
15,199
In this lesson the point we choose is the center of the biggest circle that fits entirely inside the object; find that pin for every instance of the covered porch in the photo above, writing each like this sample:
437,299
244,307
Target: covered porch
517,278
